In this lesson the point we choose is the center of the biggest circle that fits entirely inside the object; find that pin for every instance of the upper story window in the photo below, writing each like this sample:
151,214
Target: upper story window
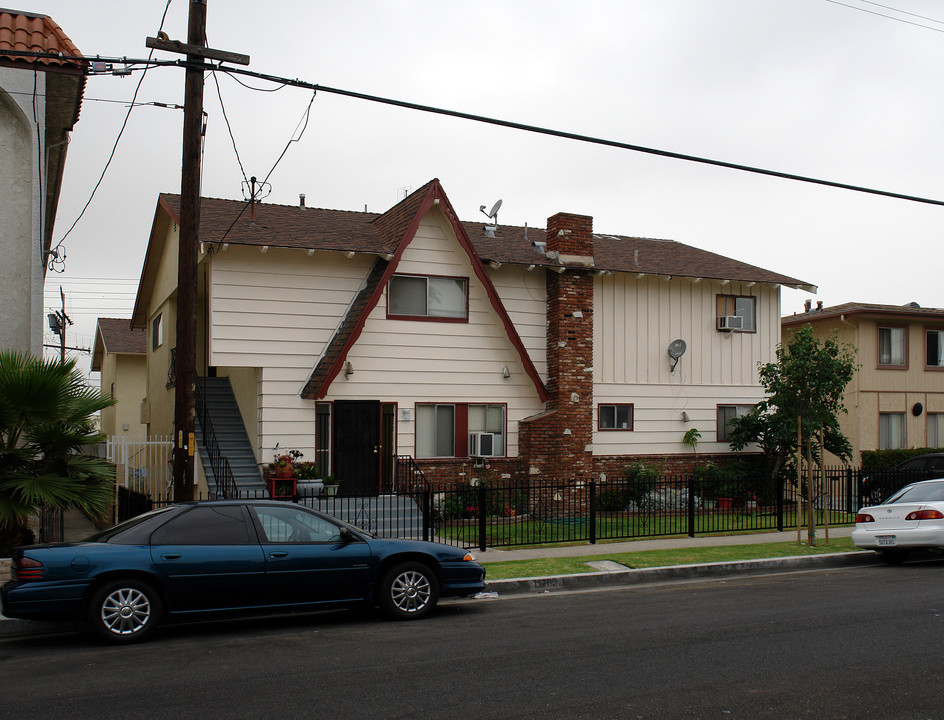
615,417
934,348
736,313
419,296
157,331
892,346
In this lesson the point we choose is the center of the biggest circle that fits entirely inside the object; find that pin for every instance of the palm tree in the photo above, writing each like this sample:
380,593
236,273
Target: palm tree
45,421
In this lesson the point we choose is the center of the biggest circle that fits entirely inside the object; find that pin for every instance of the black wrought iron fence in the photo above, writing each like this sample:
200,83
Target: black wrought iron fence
539,512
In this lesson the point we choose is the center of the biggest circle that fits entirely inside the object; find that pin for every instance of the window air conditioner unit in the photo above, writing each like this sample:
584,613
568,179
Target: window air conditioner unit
730,322
481,444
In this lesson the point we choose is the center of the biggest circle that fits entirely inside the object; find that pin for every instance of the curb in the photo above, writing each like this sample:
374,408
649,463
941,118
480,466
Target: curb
12,628
676,573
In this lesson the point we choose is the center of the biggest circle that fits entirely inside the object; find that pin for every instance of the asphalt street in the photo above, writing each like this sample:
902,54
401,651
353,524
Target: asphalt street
858,642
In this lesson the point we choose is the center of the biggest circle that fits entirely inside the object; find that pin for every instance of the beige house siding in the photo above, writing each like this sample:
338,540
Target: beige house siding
875,389
126,377
635,320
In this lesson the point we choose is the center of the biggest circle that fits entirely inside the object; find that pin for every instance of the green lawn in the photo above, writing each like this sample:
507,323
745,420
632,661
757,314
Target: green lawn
661,558
504,532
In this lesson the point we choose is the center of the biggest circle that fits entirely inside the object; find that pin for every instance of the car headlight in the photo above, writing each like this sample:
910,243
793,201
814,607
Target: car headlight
468,557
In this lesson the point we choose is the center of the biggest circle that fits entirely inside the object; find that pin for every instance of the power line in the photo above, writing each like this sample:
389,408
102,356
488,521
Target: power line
533,128
115,146
890,17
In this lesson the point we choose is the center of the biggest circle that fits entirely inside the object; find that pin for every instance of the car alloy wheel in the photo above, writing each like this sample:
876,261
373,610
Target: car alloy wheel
409,591
124,611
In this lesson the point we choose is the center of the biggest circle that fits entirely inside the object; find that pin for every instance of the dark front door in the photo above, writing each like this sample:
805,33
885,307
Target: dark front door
357,449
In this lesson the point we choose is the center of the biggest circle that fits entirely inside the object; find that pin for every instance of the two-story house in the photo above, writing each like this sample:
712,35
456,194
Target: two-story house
119,354
359,338
896,399
40,98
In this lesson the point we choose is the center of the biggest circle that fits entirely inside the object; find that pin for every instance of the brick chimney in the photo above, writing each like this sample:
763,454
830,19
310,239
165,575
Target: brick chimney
557,444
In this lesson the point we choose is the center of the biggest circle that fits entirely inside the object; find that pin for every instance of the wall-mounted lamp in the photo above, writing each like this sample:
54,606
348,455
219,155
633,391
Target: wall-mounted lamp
348,369
506,373
685,417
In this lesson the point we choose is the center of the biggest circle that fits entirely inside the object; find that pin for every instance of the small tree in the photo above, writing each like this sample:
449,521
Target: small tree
806,382
45,420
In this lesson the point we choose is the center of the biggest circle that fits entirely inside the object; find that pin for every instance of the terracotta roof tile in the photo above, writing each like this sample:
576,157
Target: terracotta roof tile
31,32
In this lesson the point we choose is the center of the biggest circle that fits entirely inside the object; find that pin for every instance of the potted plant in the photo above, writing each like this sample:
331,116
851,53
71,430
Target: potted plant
308,483
330,486
282,484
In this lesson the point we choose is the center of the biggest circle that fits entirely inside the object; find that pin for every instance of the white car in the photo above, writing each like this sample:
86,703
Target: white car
911,519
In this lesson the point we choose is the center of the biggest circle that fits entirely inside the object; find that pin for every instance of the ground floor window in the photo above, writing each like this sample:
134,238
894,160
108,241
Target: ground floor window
615,417
891,431
727,413
460,430
936,430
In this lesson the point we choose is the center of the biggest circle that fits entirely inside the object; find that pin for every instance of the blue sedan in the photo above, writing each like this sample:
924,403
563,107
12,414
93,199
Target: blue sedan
197,559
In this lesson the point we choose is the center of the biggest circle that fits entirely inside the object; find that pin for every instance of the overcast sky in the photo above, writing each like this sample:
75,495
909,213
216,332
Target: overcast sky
809,87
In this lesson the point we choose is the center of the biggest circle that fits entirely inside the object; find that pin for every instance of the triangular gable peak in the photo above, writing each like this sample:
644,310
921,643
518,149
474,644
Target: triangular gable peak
398,226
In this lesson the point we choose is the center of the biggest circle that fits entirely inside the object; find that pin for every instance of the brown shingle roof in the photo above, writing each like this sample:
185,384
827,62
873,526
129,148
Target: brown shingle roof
911,310
120,338
319,229
115,336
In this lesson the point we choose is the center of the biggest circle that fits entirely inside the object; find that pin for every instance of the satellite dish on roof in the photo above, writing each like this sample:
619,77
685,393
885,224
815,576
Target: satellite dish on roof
677,348
493,213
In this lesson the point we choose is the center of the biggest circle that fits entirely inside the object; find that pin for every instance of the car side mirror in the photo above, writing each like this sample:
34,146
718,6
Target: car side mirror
347,536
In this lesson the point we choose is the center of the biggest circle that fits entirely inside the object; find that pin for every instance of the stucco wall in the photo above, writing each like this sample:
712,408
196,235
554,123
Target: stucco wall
21,276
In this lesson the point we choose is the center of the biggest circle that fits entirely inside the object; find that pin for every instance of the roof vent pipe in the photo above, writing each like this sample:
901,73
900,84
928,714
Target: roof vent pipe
301,199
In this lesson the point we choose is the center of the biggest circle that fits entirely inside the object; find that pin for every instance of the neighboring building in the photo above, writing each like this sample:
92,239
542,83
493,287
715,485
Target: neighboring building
896,399
40,98
359,338
119,354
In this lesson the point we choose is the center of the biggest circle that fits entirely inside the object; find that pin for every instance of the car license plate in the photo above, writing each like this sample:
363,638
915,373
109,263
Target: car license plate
886,539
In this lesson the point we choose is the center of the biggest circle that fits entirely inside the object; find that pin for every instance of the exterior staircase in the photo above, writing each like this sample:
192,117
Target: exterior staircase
228,459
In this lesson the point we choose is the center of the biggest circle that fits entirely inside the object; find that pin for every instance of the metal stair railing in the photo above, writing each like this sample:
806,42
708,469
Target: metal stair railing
409,479
222,472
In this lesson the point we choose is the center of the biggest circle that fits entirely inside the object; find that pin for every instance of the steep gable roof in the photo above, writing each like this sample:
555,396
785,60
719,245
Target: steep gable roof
398,226
115,336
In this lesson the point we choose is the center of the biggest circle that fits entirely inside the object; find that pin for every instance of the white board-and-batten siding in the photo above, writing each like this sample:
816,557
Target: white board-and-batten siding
278,311
635,320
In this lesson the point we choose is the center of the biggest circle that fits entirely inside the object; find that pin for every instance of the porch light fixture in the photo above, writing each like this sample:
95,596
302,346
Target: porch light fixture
506,373
348,369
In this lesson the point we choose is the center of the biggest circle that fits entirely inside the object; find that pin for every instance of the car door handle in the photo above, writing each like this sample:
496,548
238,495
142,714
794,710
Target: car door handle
170,556
278,554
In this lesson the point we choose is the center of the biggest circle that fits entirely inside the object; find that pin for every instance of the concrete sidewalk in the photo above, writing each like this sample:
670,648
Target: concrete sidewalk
612,574
612,548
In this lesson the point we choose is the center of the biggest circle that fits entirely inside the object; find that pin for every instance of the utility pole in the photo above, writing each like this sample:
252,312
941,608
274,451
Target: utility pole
58,321
186,358
184,410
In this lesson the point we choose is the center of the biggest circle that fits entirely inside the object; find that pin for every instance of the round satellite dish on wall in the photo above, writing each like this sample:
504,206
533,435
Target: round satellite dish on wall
676,350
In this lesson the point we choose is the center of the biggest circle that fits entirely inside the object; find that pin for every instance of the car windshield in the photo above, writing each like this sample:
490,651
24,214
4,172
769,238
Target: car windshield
920,492
131,532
